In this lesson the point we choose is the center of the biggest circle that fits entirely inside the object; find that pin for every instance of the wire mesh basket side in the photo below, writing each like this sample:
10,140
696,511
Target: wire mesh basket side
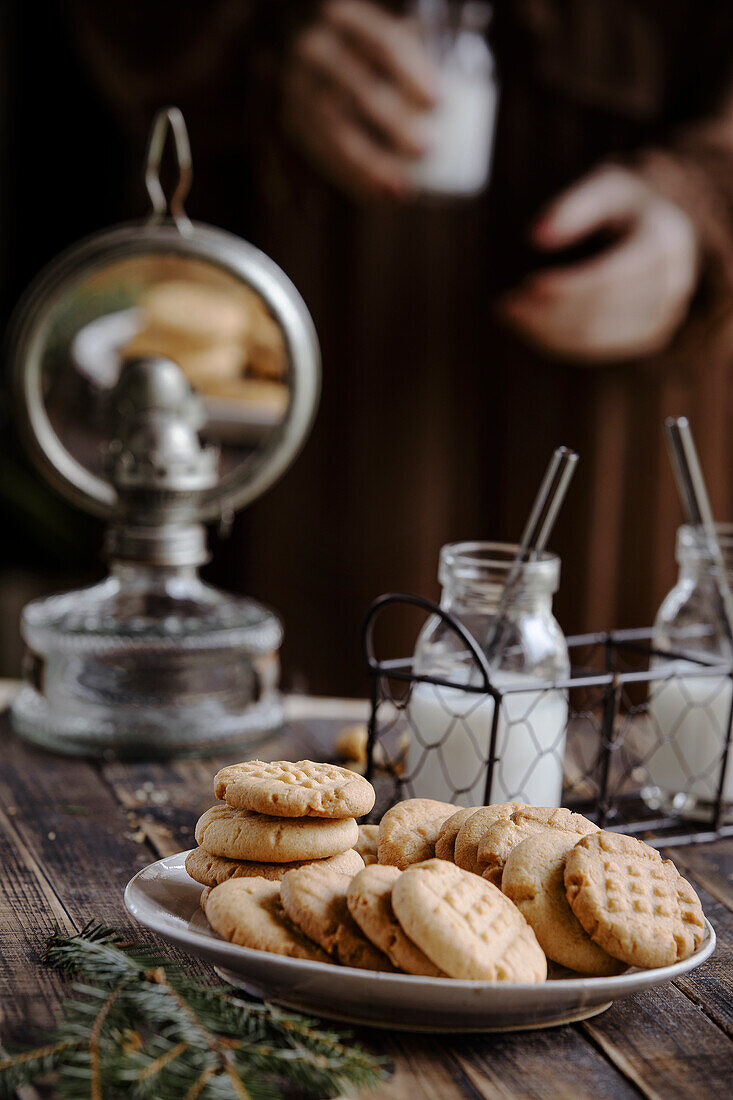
629,739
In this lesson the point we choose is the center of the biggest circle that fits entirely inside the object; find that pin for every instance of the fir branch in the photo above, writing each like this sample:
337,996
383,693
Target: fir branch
31,1065
139,1025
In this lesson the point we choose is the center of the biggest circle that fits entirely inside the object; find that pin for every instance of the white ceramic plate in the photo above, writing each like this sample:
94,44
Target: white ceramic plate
166,900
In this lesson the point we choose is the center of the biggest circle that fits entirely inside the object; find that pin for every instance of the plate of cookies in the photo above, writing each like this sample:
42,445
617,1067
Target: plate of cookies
439,919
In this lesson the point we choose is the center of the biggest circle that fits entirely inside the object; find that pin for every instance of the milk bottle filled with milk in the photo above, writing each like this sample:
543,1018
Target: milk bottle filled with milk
690,711
459,131
450,726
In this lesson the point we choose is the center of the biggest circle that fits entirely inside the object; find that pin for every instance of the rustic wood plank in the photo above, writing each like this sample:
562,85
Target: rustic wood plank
666,1046
75,830
164,801
710,865
534,1065
63,839
711,986
29,907
709,868
421,1070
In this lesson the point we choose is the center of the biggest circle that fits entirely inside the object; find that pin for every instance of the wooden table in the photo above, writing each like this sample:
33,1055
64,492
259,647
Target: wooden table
72,833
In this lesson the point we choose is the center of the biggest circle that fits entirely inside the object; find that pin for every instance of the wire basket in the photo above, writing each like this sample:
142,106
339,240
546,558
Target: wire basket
623,722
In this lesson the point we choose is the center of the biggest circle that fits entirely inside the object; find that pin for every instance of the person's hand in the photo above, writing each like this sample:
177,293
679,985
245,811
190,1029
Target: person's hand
355,84
625,302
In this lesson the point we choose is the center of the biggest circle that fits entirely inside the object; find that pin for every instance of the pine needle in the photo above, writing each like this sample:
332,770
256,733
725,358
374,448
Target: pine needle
138,1025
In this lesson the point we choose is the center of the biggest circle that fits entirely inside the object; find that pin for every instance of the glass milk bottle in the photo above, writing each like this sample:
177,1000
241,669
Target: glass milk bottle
689,713
459,131
450,727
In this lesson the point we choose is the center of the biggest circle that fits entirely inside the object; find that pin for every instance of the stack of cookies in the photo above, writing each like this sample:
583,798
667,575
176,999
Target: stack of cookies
485,893
278,817
222,336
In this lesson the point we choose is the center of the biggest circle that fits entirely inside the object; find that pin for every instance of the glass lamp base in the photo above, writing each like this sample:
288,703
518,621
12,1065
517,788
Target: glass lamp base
150,663
114,733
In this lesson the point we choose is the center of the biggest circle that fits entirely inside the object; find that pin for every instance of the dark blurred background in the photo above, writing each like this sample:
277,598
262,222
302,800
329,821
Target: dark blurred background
580,299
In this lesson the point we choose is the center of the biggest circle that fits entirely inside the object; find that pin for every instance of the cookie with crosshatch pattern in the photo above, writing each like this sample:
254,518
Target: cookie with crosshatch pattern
631,902
465,925
301,789
501,837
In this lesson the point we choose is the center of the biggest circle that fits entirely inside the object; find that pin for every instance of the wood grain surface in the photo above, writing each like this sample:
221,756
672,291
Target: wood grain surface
72,833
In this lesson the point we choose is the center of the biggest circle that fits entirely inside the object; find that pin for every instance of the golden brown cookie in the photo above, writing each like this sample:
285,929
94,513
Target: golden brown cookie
201,364
465,925
499,839
244,834
213,870
247,911
369,898
303,789
367,843
631,902
534,880
315,899
465,853
202,314
446,843
408,831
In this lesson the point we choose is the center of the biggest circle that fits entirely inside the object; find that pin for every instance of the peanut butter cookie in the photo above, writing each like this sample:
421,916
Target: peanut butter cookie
631,902
369,898
244,834
473,828
499,839
213,870
408,831
247,911
466,926
534,880
445,845
302,789
315,899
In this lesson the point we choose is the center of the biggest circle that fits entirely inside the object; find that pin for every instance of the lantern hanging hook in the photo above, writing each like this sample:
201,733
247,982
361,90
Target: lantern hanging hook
169,120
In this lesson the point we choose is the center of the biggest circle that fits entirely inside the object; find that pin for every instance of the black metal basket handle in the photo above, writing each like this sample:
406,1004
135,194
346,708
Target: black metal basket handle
397,668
